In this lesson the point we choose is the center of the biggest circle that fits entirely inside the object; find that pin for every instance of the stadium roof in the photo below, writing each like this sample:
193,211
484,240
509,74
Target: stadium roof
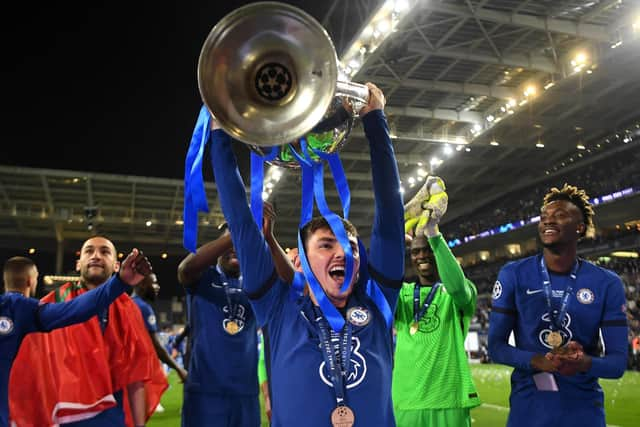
474,90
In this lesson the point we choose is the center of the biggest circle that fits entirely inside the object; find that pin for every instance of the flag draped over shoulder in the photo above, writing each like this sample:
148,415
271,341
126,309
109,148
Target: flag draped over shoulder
70,374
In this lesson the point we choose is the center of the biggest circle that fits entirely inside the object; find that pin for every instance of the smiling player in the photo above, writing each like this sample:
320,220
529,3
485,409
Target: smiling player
557,305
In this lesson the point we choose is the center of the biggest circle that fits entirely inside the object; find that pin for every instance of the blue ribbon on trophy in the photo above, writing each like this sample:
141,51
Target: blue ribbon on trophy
263,104
195,197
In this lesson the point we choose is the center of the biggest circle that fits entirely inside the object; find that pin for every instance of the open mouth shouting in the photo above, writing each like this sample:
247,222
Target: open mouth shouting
337,273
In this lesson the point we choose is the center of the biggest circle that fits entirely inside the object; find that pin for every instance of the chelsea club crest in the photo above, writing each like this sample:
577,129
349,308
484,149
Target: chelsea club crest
358,316
585,296
6,325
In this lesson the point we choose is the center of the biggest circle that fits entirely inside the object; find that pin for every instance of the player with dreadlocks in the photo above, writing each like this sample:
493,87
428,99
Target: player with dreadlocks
557,306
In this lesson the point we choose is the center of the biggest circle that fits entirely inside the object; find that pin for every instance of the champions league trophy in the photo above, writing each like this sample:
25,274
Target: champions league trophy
268,73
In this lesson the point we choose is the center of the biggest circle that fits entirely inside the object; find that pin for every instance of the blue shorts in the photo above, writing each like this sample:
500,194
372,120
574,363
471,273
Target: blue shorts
206,409
550,409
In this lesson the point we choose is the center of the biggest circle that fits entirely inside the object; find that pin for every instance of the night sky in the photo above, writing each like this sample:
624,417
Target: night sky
103,87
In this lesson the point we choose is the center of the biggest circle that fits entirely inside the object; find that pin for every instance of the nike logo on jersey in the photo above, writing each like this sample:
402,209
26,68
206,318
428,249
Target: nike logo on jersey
554,292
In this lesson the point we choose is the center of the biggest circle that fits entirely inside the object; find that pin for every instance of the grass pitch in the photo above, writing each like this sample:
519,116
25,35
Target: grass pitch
492,381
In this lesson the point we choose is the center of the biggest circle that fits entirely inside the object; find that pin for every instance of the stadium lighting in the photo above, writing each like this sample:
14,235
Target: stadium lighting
530,90
625,254
382,24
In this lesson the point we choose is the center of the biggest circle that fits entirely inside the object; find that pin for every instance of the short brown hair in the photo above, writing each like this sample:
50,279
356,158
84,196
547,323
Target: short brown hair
16,272
579,198
320,222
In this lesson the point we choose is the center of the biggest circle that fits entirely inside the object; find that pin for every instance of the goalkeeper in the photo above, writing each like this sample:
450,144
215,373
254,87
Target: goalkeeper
432,384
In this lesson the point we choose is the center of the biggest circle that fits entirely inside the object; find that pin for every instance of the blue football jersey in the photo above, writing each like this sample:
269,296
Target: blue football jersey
300,381
302,392
597,303
223,359
148,314
20,316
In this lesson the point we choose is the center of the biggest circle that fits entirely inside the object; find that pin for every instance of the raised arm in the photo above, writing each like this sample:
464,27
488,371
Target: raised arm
89,304
460,289
193,265
254,256
386,253
284,266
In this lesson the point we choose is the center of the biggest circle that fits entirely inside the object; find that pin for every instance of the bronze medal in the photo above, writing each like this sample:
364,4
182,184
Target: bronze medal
342,416
554,339
414,328
231,327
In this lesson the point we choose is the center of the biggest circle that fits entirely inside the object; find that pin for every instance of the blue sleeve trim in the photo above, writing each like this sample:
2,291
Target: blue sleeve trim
266,287
380,279
507,311
607,323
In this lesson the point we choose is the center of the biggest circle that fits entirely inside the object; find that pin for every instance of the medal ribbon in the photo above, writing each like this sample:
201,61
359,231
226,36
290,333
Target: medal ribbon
556,321
332,344
226,285
340,179
332,314
306,210
313,188
417,315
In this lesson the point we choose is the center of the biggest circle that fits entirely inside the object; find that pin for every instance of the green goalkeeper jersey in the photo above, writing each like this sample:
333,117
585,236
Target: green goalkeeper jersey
430,367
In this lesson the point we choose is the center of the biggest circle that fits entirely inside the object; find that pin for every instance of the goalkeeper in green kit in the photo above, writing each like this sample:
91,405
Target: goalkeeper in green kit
432,383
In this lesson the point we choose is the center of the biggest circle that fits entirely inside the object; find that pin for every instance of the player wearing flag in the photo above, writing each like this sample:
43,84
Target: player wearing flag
319,375
21,315
558,306
102,372
432,383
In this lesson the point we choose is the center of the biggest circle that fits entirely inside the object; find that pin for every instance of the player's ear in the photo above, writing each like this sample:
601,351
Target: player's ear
116,266
77,265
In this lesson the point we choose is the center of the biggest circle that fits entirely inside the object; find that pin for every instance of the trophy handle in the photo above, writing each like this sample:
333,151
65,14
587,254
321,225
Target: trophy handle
353,90
357,94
